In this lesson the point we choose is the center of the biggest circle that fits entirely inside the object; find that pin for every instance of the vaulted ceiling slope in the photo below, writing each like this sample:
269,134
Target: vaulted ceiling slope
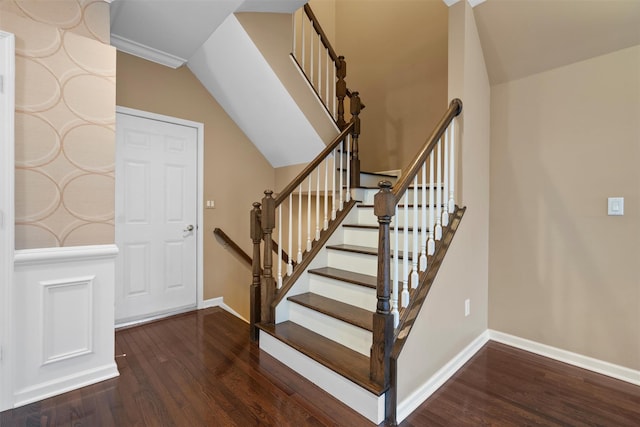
524,37
170,31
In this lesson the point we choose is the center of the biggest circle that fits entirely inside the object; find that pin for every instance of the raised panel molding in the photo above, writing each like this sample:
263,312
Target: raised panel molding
63,320
67,318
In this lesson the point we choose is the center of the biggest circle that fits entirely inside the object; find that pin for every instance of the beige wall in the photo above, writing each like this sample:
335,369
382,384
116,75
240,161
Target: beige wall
235,173
441,330
396,53
562,272
64,122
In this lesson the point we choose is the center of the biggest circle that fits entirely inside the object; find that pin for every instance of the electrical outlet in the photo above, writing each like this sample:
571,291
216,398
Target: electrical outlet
467,307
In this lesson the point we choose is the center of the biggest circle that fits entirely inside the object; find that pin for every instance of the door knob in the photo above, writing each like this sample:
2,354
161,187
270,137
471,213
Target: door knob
189,228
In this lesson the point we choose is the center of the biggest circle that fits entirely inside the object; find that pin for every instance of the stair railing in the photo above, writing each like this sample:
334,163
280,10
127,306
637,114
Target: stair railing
431,178
297,218
326,72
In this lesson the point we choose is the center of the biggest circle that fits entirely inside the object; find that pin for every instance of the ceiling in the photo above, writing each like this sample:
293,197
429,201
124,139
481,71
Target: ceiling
524,37
519,37
171,31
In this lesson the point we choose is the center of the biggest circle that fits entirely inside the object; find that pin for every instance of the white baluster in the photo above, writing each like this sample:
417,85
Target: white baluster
423,211
348,195
405,255
300,223
431,244
290,263
309,214
416,213
452,168
279,247
317,198
333,186
439,191
311,67
394,296
334,110
327,74
319,66
326,194
445,193
302,44
295,34
341,173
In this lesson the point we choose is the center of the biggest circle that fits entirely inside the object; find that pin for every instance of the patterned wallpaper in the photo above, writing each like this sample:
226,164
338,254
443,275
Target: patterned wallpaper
65,121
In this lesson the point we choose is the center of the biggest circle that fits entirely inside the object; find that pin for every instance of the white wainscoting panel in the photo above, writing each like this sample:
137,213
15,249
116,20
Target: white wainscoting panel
63,320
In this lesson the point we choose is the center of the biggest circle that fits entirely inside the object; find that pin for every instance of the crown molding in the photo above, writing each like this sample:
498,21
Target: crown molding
473,3
145,52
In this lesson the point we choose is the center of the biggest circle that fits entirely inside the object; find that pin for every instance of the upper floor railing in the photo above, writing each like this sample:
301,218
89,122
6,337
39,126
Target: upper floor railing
326,72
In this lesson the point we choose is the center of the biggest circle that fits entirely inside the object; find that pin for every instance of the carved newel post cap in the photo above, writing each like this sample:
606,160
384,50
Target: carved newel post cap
384,185
256,205
268,193
383,202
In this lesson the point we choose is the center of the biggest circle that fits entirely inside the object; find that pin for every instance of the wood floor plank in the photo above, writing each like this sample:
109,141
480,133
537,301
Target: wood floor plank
200,369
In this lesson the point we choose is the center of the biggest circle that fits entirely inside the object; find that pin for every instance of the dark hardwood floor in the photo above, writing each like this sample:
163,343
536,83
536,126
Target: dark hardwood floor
199,369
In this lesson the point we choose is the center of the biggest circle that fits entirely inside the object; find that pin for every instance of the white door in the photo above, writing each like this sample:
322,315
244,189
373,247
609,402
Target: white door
156,212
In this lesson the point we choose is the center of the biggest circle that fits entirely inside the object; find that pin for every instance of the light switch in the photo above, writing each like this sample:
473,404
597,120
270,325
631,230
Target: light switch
616,205
210,204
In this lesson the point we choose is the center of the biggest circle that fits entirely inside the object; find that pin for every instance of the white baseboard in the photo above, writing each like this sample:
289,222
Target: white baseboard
219,302
605,368
411,403
65,384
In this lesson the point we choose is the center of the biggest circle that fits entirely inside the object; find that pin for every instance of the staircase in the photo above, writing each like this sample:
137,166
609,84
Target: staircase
342,259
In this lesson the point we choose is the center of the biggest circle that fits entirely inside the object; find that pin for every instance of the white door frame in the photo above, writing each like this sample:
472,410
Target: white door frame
7,220
199,193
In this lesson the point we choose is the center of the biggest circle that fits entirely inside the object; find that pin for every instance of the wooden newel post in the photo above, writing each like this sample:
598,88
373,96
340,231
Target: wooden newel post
384,209
356,107
341,90
254,292
268,286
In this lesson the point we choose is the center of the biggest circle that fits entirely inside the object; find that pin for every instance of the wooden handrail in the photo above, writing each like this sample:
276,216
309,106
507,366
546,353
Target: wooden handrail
455,108
321,33
311,166
237,249
233,245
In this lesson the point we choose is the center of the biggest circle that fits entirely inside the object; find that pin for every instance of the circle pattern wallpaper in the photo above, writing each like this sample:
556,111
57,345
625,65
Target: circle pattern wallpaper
65,122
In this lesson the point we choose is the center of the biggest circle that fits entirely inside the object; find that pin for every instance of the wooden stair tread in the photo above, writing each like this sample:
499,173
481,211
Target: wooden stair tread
346,276
376,227
340,359
367,205
365,250
346,312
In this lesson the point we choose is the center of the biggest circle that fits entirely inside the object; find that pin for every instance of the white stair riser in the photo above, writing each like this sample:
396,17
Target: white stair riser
355,338
359,263
369,237
370,194
357,295
366,217
354,396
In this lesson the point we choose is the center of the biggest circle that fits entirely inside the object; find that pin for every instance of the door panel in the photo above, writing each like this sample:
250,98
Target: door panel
156,212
